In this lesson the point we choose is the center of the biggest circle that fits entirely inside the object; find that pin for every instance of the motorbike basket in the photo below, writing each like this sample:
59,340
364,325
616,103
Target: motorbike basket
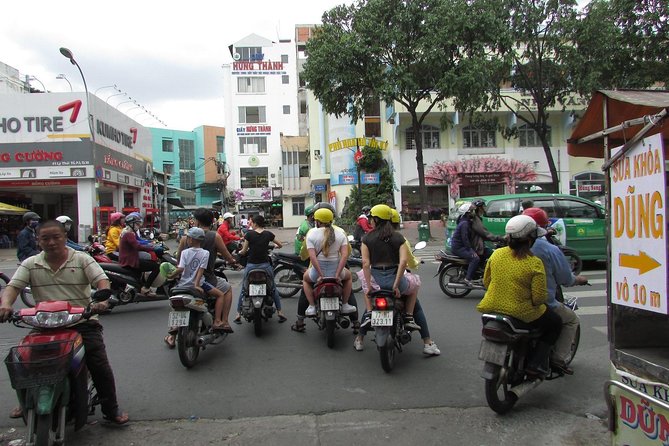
38,365
496,331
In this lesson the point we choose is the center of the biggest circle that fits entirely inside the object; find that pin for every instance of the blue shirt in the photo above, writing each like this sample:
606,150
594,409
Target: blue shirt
558,271
460,237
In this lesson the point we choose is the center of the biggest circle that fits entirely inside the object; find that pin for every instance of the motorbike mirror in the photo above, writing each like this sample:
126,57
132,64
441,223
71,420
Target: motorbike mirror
101,295
420,245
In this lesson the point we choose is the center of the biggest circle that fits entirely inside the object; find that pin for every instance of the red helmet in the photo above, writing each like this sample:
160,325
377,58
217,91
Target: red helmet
115,217
538,215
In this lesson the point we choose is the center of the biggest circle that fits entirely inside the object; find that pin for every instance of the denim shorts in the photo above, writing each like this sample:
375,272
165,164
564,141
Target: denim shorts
327,268
386,278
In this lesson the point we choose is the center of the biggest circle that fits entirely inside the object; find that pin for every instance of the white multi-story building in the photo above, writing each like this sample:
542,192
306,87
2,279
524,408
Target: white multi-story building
267,161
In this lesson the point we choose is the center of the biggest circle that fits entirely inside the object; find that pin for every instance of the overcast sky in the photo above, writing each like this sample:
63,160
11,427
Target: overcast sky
165,54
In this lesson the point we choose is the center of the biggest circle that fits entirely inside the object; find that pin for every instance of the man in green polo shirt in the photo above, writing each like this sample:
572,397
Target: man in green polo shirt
61,273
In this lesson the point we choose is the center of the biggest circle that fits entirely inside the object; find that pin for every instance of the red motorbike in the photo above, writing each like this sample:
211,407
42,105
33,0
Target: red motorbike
48,371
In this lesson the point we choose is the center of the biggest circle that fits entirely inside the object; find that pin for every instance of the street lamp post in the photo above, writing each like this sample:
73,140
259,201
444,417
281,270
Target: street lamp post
33,78
68,54
115,94
62,76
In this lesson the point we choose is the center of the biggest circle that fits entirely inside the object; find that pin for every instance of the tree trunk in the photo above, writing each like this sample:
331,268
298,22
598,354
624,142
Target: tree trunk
551,166
424,216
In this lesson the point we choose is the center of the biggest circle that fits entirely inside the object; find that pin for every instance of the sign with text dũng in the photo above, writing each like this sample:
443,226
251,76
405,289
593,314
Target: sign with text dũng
638,231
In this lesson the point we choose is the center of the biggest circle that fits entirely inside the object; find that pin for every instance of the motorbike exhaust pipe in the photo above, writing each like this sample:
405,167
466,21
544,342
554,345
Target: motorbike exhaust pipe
344,322
205,339
522,389
289,285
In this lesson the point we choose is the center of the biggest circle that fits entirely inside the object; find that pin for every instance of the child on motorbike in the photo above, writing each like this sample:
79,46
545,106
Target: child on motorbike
515,280
192,264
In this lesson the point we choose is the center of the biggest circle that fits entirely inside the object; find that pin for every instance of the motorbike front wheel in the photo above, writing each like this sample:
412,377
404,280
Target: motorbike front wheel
451,274
44,432
387,353
285,274
187,342
497,393
330,326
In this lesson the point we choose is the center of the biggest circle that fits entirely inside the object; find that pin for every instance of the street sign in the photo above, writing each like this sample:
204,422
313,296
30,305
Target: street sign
638,237
370,178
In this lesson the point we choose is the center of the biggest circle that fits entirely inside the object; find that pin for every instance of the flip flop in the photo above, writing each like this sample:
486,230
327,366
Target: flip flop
237,320
169,340
282,318
119,419
16,412
300,328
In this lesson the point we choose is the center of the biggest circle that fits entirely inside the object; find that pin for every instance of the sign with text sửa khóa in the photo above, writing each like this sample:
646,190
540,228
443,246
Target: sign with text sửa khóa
369,178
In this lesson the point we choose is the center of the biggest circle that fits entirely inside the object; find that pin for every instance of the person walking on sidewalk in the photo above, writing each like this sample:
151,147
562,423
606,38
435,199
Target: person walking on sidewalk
26,241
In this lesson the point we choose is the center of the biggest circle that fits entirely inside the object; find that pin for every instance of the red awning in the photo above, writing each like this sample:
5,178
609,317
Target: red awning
621,106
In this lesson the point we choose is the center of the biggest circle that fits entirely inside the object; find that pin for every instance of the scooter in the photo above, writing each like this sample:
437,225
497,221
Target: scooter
507,344
193,316
258,302
388,325
452,271
48,371
329,316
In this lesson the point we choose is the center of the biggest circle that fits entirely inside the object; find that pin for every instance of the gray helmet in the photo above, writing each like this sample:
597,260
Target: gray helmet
324,205
366,209
133,218
30,216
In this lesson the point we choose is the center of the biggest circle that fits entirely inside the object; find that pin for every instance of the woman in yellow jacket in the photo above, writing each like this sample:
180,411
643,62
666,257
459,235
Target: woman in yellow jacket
113,239
516,286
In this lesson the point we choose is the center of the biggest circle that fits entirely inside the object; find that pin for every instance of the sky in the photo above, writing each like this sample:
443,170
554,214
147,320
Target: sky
166,55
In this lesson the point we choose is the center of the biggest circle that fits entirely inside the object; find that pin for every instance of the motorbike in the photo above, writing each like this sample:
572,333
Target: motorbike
48,371
507,344
289,270
193,316
126,283
97,250
258,302
329,317
388,325
26,295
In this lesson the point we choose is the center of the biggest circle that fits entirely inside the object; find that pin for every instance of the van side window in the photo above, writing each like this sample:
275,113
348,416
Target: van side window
502,208
578,209
548,205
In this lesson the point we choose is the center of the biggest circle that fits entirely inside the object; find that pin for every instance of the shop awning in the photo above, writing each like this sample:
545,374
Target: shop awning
626,112
175,201
8,209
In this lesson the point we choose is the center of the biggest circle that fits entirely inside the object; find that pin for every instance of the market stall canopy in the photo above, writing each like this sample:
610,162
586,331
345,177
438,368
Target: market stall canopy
8,209
627,112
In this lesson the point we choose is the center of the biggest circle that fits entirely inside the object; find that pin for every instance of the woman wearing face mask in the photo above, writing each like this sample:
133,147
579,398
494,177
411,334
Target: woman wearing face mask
26,241
67,222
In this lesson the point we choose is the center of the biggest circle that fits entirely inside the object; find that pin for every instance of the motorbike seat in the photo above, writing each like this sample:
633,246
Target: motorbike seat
117,268
516,325
289,257
187,290
445,256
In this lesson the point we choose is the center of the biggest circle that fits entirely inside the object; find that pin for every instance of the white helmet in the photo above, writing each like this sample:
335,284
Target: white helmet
64,219
523,227
464,208
227,215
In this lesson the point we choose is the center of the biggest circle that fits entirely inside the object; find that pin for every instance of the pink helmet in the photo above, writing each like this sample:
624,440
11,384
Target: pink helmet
115,217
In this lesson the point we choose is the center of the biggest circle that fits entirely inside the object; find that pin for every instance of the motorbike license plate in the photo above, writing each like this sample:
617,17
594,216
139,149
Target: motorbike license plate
178,318
382,318
493,352
257,289
329,303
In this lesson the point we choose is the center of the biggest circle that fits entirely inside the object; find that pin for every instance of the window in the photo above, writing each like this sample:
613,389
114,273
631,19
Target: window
298,205
547,205
248,84
252,144
285,79
284,58
168,168
253,177
429,138
473,137
303,107
502,208
528,137
295,164
373,119
578,209
286,109
302,82
187,164
252,115
250,52
220,144
168,145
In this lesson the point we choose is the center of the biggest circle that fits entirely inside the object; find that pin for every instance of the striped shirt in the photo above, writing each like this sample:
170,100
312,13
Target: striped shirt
71,281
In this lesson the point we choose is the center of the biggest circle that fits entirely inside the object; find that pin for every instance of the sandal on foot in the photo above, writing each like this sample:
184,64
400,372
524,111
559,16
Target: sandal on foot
119,419
225,328
170,341
237,320
300,328
282,318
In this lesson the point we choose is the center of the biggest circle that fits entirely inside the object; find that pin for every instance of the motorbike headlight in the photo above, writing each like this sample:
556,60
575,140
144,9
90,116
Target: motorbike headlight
51,319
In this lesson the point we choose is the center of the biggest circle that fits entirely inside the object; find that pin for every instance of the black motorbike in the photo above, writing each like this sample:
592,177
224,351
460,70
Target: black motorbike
258,302
507,344
388,325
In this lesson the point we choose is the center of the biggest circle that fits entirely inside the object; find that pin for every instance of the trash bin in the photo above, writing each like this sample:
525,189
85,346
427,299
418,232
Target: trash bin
423,232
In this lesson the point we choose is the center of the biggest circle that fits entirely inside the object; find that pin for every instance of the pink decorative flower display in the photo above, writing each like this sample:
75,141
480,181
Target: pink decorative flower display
449,172
239,195
266,193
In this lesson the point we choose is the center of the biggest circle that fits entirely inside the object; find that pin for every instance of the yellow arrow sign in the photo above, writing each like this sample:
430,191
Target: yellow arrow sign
643,262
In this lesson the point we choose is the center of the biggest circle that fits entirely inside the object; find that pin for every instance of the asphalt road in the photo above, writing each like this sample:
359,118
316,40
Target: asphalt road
288,373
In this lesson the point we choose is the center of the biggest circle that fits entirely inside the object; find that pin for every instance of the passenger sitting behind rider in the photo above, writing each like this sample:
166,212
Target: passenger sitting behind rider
516,286
385,256
192,265
129,249
328,251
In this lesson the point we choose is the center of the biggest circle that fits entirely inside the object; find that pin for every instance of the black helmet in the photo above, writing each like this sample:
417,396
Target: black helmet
204,216
478,203
30,216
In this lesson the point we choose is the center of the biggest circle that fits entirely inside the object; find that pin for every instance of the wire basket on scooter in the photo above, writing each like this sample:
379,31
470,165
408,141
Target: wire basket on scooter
38,365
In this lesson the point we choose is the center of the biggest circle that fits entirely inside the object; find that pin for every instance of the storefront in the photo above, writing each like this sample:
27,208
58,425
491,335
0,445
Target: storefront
55,161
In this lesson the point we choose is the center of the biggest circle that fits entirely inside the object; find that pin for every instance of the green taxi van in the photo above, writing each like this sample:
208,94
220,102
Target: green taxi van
581,223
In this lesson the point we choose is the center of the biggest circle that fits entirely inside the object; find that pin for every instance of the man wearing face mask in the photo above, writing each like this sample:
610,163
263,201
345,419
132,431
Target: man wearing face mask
67,222
26,241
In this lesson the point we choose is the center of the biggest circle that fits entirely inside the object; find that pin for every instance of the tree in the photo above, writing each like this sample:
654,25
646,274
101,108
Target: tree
412,52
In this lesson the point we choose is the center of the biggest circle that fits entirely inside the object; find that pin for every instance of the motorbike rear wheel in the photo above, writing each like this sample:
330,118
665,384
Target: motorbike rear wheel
187,341
497,393
285,274
574,260
387,354
330,326
450,274
257,321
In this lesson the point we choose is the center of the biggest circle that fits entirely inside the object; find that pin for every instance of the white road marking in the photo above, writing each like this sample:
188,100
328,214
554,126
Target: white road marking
591,311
